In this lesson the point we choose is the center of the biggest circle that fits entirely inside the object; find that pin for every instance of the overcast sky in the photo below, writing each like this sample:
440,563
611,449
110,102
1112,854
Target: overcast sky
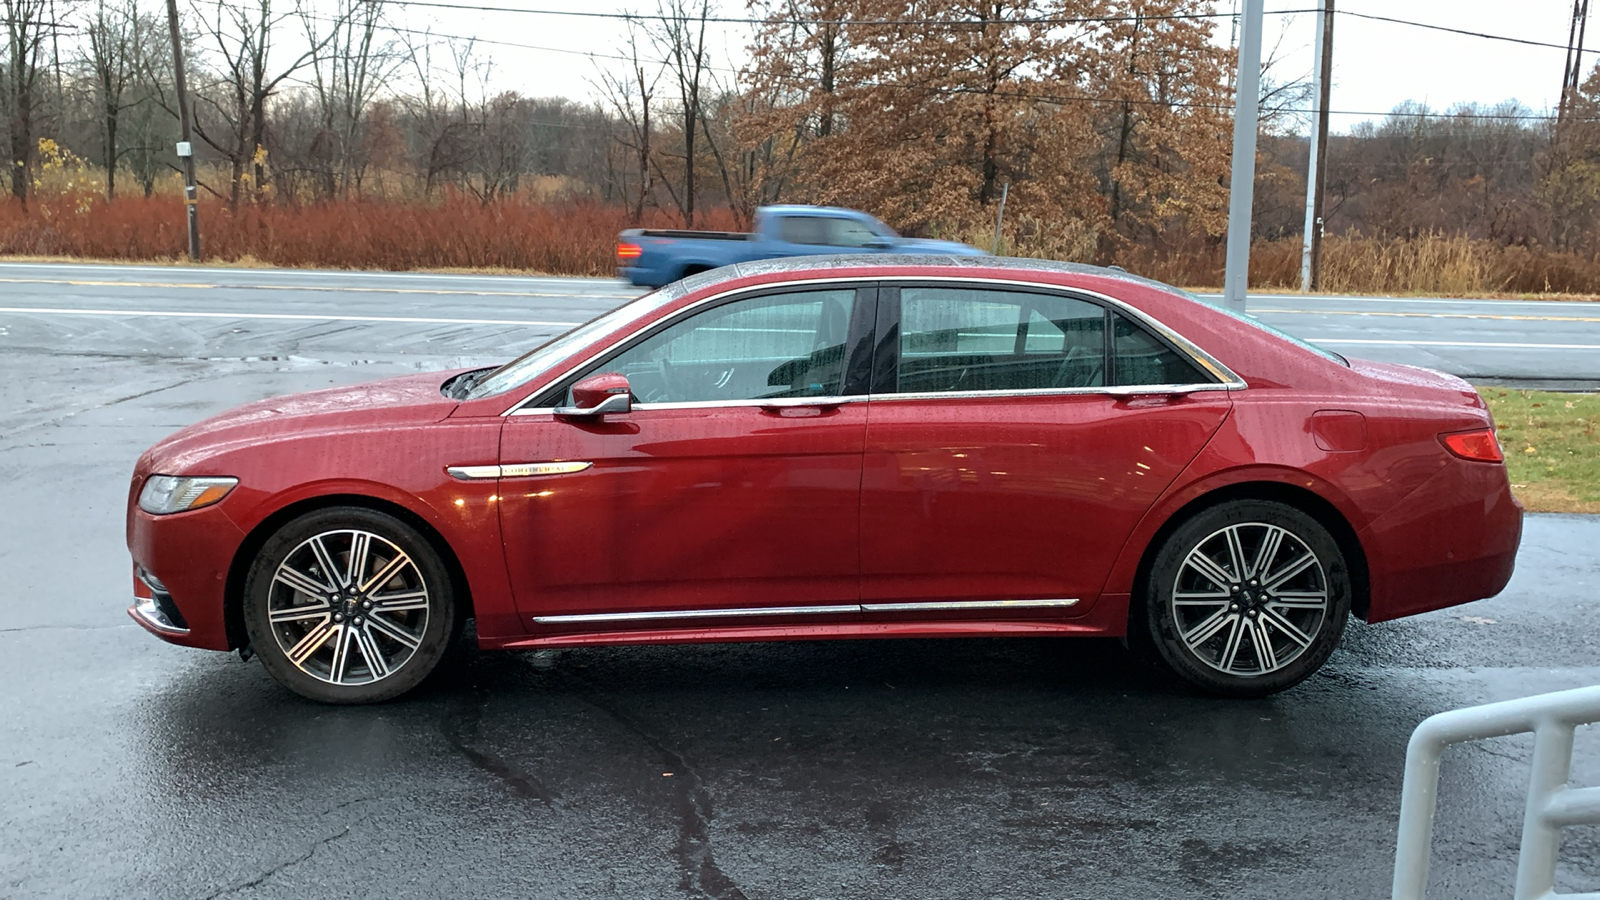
1376,64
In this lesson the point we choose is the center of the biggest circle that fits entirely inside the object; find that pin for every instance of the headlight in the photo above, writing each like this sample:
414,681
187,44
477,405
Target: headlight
164,494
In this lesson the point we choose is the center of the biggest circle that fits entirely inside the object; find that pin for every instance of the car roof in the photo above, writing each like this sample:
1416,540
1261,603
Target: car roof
939,265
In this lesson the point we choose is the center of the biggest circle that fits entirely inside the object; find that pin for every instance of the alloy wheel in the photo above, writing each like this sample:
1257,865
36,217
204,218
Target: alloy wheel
1249,599
348,607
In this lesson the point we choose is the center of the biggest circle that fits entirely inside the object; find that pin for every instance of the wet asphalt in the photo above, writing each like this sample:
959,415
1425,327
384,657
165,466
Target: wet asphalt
915,769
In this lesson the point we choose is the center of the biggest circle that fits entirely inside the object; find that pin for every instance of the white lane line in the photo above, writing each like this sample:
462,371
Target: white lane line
1494,344
303,273
316,289
1460,301
1421,315
292,317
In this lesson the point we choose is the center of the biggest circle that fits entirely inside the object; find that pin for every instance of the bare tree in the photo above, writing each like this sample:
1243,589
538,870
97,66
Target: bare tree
236,126
352,66
680,36
29,24
629,96
121,41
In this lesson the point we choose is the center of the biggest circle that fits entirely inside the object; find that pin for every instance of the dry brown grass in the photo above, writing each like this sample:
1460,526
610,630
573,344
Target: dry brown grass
570,237
576,237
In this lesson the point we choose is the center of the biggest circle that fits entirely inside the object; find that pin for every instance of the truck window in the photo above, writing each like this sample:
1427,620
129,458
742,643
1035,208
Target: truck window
849,233
803,230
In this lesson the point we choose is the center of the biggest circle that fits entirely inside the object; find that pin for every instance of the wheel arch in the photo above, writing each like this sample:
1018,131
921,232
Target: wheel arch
239,566
1304,499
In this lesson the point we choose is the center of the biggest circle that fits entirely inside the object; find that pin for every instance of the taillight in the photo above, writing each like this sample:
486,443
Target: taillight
1480,445
627,252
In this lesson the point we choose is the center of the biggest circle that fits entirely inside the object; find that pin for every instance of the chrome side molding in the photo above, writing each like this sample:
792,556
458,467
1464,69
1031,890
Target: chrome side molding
517,470
960,605
698,614
837,609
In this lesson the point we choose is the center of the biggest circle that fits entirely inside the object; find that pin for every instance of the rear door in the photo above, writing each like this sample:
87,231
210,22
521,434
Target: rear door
1007,459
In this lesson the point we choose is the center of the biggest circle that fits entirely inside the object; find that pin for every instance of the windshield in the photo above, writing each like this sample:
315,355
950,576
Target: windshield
525,367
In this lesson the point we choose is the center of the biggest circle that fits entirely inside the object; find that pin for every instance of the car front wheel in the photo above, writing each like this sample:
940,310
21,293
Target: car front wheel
1247,598
349,605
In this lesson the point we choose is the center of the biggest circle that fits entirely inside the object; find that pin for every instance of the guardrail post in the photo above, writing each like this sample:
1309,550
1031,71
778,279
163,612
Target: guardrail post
1552,766
1553,719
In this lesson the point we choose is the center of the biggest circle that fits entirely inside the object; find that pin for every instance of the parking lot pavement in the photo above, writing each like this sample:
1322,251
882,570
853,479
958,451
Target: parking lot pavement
916,769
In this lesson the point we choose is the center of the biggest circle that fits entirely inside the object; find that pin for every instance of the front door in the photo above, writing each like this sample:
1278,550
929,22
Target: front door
732,489
1006,462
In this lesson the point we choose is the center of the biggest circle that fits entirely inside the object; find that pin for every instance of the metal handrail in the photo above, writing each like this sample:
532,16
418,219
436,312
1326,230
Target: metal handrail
1553,719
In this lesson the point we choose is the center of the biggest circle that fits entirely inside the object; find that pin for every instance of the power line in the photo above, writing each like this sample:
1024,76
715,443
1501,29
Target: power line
742,20
1462,31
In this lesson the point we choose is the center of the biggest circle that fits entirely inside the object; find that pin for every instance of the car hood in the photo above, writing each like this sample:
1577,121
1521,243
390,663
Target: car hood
375,406
952,248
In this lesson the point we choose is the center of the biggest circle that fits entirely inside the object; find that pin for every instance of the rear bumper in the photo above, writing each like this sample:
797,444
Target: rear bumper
639,277
181,564
1452,541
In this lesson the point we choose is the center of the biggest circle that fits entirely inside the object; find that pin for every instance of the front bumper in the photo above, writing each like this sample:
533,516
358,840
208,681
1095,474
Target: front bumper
180,579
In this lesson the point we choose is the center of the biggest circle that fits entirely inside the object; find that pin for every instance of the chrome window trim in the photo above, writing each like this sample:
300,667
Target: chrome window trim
1118,391
774,403
947,605
1228,379
835,609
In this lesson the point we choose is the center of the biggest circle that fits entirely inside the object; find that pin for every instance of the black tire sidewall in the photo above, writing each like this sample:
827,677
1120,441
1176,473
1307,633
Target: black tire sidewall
444,620
1161,631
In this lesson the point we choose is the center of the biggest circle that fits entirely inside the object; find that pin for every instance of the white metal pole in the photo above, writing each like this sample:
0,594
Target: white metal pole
1311,166
1241,187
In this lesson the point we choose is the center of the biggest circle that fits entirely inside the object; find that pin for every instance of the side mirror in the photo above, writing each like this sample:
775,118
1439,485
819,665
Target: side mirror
599,395
878,244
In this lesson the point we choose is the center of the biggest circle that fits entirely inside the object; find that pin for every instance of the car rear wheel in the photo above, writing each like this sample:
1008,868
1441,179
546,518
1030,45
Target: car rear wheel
349,605
1247,598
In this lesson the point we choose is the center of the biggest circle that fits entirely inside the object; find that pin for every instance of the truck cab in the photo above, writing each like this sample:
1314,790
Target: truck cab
652,258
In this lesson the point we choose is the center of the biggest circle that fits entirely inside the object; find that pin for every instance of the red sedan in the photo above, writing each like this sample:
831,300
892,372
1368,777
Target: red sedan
840,448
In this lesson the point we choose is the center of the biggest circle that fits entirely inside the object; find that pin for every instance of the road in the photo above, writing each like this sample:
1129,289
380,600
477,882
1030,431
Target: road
914,769
362,316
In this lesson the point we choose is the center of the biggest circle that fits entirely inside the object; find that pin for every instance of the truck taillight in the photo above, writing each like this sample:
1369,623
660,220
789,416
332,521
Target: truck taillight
627,252
1480,445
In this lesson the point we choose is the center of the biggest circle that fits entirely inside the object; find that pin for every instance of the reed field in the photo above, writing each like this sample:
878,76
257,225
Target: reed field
577,237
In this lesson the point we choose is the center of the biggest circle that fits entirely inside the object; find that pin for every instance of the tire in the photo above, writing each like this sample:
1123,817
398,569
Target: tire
1247,598
336,638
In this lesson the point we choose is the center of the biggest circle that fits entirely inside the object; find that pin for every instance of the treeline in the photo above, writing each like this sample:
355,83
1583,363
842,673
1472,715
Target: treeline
1104,124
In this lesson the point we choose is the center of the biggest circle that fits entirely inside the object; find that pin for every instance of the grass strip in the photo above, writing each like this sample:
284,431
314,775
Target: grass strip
1552,446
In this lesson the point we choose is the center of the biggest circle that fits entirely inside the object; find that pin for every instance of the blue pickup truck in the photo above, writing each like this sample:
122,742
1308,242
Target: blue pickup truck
652,258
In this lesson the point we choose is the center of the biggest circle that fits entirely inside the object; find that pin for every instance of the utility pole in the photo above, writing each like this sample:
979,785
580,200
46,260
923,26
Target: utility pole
1241,186
191,200
1572,75
1317,166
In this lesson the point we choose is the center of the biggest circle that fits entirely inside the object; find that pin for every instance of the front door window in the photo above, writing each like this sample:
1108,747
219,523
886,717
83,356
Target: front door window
761,348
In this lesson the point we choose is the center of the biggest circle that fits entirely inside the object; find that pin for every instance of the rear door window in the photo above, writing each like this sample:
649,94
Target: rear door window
1143,358
955,339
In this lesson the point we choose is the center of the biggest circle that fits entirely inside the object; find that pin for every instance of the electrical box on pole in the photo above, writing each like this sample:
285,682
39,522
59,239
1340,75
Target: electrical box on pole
1241,187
